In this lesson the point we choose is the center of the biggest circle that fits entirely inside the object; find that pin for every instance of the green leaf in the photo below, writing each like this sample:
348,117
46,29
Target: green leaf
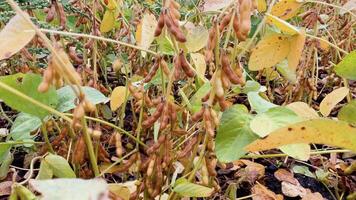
70,189
59,166
264,123
286,71
258,103
67,97
234,134
4,150
164,45
23,193
5,165
347,67
186,189
27,84
303,170
251,86
275,118
347,113
23,125
45,171
195,101
318,131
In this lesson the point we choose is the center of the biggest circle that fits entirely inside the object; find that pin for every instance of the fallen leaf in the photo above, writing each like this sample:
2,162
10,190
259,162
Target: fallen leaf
292,190
262,56
313,196
332,99
296,49
303,110
117,97
5,188
286,9
319,131
145,31
286,176
260,192
15,36
254,170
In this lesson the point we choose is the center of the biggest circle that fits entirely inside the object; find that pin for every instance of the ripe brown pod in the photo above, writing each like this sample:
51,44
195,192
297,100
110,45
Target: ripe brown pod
177,67
73,56
165,117
217,85
198,115
185,65
154,117
62,16
173,113
180,37
225,81
208,122
214,117
226,67
51,13
236,24
43,87
118,144
225,21
245,14
206,97
175,4
160,25
164,67
152,72
79,151
223,104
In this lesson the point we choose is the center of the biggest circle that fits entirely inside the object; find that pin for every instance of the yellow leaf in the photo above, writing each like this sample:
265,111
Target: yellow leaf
318,131
286,9
284,26
120,191
261,5
296,50
199,63
331,99
16,34
298,151
197,38
269,51
108,22
303,110
145,31
117,97
214,5
110,4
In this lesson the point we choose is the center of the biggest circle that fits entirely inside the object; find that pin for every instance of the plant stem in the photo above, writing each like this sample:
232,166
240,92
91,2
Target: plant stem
45,136
98,38
89,144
